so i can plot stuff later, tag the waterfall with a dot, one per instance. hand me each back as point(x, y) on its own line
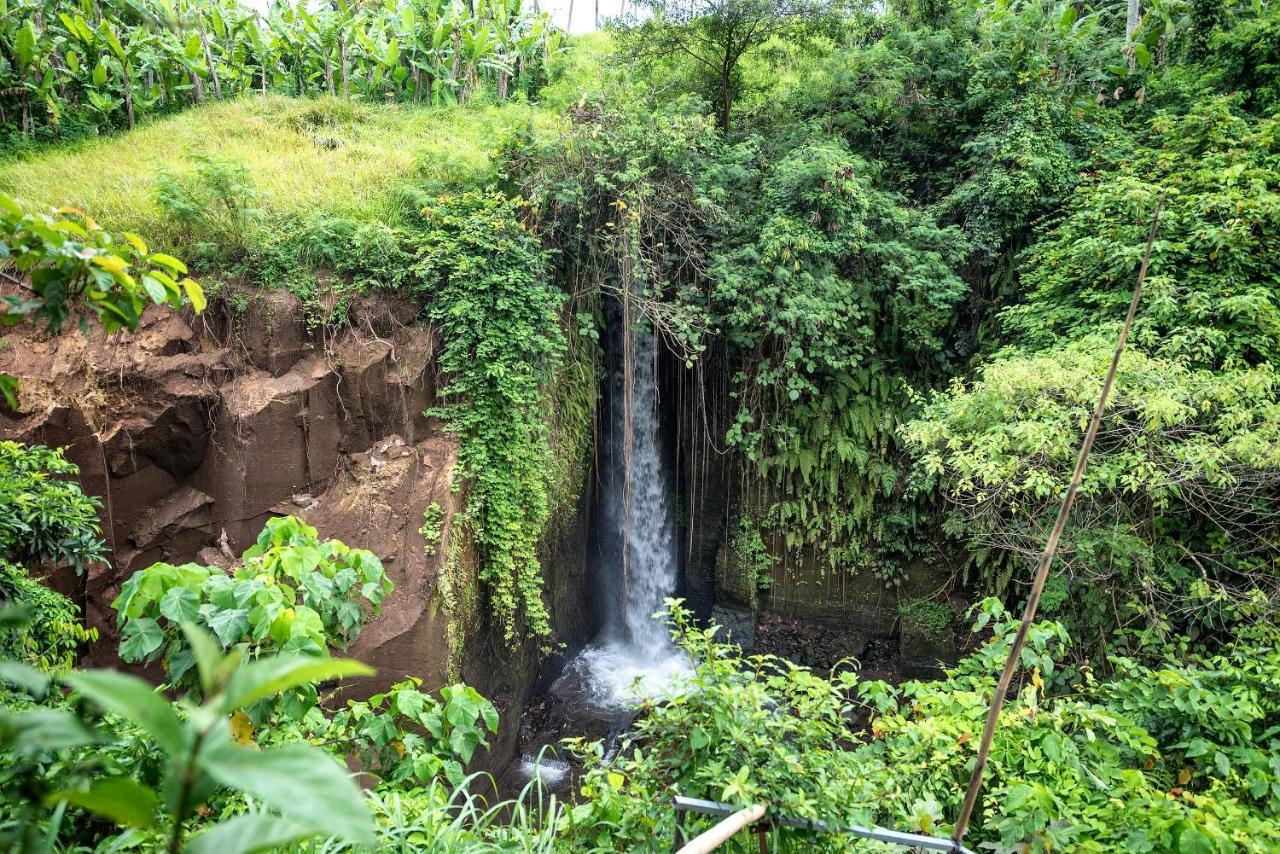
point(636, 490)
point(638, 555)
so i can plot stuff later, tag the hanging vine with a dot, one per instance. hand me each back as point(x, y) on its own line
point(484, 280)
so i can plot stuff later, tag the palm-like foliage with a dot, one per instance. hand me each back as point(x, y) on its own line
point(99, 65)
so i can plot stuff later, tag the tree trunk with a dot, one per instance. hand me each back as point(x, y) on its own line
point(342, 60)
point(1130, 25)
point(208, 59)
point(726, 100)
point(569, 26)
point(128, 94)
point(197, 87)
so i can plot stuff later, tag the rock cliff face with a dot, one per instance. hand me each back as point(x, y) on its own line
point(194, 431)
point(806, 612)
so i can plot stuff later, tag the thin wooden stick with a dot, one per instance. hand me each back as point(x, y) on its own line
point(1050, 548)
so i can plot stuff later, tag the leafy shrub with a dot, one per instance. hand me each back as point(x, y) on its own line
point(1210, 298)
point(53, 743)
point(1071, 768)
point(403, 736)
point(1152, 548)
point(38, 626)
point(45, 517)
point(71, 265)
point(292, 593)
point(212, 207)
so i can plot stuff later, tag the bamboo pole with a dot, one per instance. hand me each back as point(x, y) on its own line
point(712, 839)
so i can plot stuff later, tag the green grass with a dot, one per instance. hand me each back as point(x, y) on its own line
point(304, 156)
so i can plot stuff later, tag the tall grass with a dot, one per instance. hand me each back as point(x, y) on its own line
point(304, 156)
point(454, 819)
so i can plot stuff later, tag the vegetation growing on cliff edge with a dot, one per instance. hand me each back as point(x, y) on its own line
point(483, 280)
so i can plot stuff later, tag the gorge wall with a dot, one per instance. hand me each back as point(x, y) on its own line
point(194, 431)
point(805, 611)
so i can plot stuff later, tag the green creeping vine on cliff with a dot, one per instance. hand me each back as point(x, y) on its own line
point(484, 280)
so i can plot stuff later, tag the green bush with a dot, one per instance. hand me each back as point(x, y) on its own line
point(45, 517)
point(1074, 766)
point(292, 594)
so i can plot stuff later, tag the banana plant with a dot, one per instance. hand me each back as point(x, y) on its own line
point(115, 61)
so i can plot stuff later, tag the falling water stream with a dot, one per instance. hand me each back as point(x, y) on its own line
point(633, 657)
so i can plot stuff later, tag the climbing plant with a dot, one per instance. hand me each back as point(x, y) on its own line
point(483, 279)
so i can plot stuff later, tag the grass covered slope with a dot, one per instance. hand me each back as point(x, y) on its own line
point(300, 157)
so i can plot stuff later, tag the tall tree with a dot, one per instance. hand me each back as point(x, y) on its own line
point(716, 34)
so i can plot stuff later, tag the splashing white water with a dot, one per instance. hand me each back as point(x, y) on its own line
point(545, 768)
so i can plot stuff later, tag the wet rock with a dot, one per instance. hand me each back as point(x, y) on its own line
point(736, 625)
point(814, 645)
point(923, 653)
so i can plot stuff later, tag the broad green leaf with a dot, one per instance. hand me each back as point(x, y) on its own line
point(170, 263)
point(207, 654)
point(229, 624)
point(120, 799)
point(24, 44)
point(131, 698)
point(140, 638)
point(180, 605)
point(114, 43)
point(154, 288)
point(36, 731)
point(267, 677)
point(248, 833)
point(301, 781)
point(25, 677)
point(195, 293)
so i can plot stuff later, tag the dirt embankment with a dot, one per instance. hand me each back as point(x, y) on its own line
point(194, 431)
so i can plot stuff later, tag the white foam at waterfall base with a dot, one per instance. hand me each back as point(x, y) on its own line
point(615, 675)
point(545, 768)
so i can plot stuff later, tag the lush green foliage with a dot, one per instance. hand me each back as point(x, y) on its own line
point(404, 736)
point(292, 594)
point(45, 517)
point(1210, 299)
point(195, 752)
point(46, 523)
point(1152, 547)
point(237, 761)
point(1142, 763)
point(38, 626)
point(892, 280)
point(483, 278)
point(68, 261)
point(82, 67)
